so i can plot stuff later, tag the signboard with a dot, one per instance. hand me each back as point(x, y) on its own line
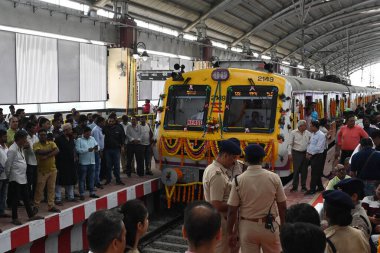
point(154, 76)
point(194, 122)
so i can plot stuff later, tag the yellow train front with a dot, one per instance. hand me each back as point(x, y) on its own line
point(201, 108)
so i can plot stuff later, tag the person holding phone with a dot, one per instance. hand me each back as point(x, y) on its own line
point(86, 147)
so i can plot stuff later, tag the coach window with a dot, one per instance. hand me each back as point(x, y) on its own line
point(185, 107)
point(250, 108)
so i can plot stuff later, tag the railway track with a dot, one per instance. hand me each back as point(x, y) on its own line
point(164, 235)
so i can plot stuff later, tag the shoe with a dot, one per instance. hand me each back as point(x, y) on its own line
point(5, 215)
point(36, 217)
point(309, 192)
point(58, 203)
point(94, 189)
point(20, 204)
point(76, 195)
point(320, 189)
point(35, 210)
point(16, 222)
point(94, 196)
point(81, 197)
point(119, 182)
point(99, 186)
point(72, 200)
point(107, 182)
point(149, 173)
point(54, 210)
point(294, 189)
point(304, 189)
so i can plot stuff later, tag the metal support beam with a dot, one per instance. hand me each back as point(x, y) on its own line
point(369, 21)
point(373, 54)
point(340, 42)
point(217, 7)
point(337, 56)
point(346, 13)
point(285, 11)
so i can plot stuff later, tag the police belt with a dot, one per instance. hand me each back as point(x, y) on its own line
point(263, 220)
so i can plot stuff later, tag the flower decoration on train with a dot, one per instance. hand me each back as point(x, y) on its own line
point(281, 122)
point(247, 130)
point(282, 97)
point(280, 138)
point(212, 125)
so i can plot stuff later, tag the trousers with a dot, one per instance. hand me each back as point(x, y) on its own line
point(299, 167)
point(254, 237)
point(317, 166)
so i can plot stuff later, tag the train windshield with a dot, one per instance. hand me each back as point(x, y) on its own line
point(185, 107)
point(250, 109)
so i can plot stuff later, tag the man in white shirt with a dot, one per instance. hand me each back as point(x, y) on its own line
point(146, 141)
point(30, 157)
point(134, 148)
point(15, 170)
point(298, 140)
point(314, 153)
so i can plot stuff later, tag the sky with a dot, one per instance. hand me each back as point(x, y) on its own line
point(369, 76)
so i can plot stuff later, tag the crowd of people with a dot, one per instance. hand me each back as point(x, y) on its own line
point(40, 157)
point(252, 203)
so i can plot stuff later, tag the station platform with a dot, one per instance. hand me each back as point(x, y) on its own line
point(65, 232)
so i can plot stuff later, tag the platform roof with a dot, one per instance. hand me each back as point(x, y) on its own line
point(343, 34)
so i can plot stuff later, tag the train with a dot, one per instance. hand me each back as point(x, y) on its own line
point(200, 108)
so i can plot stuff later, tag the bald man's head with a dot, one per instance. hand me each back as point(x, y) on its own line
point(202, 223)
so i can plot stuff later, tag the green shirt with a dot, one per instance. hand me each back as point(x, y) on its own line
point(334, 181)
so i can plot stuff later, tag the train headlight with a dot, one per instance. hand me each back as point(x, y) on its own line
point(220, 75)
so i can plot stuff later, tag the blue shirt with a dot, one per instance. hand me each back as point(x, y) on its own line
point(82, 145)
point(372, 170)
point(92, 125)
point(97, 133)
point(317, 143)
point(314, 115)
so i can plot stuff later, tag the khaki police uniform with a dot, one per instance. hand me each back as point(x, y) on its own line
point(217, 187)
point(361, 221)
point(258, 189)
point(346, 239)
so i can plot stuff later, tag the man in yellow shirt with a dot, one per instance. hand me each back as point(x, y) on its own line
point(46, 170)
point(13, 127)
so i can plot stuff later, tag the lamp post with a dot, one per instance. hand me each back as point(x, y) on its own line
point(144, 55)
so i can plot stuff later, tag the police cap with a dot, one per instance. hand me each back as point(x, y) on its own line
point(350, 184)
point(338, 199)
point(254, 150)
point(229, 147)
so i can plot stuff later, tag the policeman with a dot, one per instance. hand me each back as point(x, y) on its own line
point(260, 196)
point(238, 166)
point(355, 188)
point(341, 237)
point(217, 187)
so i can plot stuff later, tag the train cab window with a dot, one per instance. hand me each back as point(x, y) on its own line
point(186, 107)
point(252, 108)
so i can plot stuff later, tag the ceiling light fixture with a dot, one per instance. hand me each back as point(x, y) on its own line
point(144, 55)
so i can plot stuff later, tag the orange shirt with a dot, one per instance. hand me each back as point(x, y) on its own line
point(349, 138)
